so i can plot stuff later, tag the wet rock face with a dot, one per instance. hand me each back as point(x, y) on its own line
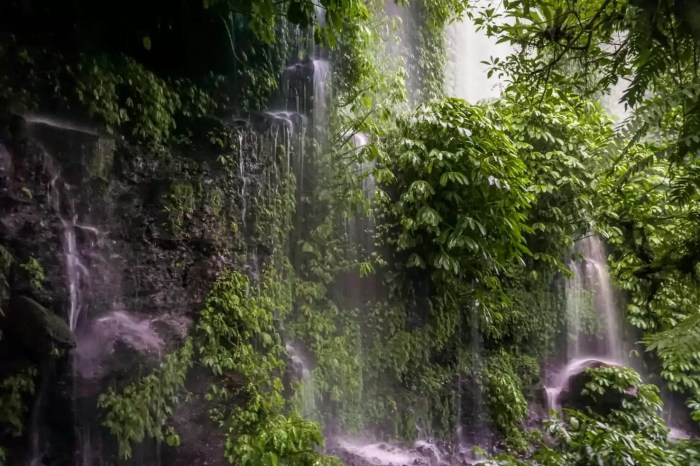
point(202, 444)
point(147, 233)
point(37, 331)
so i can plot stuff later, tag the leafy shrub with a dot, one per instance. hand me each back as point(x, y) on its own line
point(633, 434)
point(459, 194)
point(12, 406)
point(504, 395)
point(236, 335)
point(142, 409)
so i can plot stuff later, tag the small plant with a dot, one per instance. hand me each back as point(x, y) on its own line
point(141, 409)
point(179, 204)
point(35, 271)
point(13, 408)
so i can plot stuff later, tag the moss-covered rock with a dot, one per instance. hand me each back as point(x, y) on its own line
point(576, 395)
point(37, 330)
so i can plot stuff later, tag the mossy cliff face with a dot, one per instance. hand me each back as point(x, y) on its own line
point(131, 240)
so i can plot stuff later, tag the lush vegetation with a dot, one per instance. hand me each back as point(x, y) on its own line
point(632, 433)
point(422, 271)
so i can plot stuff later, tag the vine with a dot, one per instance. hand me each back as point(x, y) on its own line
point(142, 409)
point(237, 336)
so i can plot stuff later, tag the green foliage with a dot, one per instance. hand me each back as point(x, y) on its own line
point(679, 351)
point(236, 335)
point(35, 272)
point(115, 90)
point(633, 434)
point(504, 396)
point(652, 231)
point(121, 93)
point(255, 61)
point(127, 97)
point(13, 409)
point(179, 204)
point(142, 409)
point(565, 141)
point(264, 15)
point(646, 187)
point(461, 195)
point(282, 441)
point(501, 287)
point(427, 60)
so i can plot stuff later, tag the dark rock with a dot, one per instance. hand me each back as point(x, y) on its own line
point(201, 443)
point(118, 199)
point(5, 160)
point(573, 397)
point(14, 224)
point(37, 330)
point(75, 174)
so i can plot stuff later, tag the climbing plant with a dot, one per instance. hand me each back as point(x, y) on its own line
point(239, 343)
point(142, 409)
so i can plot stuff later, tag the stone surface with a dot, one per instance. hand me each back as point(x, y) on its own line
point(572, 396)
point(37, 331)
point(153, 231)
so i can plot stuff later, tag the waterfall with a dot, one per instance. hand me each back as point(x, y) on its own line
point(467, 48)
point(590, 302)
point(35, 429)
point(594, 332)
point(403, 43)
point(306, 391)
point(365, 167)
point(76, 272)
point(93, 269)
point(243, 179)
point(598, 278)
point(321, 77)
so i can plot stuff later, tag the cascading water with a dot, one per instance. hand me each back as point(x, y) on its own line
point(321, 77)
point(306, 391)
point(593, 322)
point(76, 272)
point(243, 180)
point(365, 167)
point(468, 48)
point(93, 272)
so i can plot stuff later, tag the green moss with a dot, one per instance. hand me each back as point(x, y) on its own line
point(40, 331)
point(27, 193)
point(35, 272)
point(215, 202)
point(179, 203)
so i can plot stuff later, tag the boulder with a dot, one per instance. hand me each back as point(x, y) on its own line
point(573, 397)
point(37, 330)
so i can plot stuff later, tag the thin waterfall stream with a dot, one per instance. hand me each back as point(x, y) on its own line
point(594, 331)
point(93, 268)
point(275, 231)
